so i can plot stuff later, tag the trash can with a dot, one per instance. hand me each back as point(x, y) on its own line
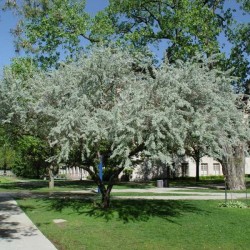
point(159, 183)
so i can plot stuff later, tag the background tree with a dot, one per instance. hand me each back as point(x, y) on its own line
point(49, 29)
point(7, 153)
point(28, 133)
point(184, 27)
point(211, 125)
point(32, 155)
point(238, 35)
point(52, 30)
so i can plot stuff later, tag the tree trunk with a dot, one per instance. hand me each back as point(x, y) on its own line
point(51, 178)
point(106, 191)
point(197, 164)
point(233, 167)
point(106, 198)
point(196, 156)
point(38, 171)
point(4, 168)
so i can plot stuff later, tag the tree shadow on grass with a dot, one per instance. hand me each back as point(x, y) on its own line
point(143, 210)
point(128, 210)
point(30, 185)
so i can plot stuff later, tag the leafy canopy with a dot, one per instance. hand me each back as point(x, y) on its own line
point(58, 30)
point(114, 102)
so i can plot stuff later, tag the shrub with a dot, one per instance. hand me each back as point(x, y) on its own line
point(233, 204)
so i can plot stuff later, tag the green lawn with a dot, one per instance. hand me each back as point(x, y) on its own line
point(140, 224)
point(10, 184)
point(130, 224)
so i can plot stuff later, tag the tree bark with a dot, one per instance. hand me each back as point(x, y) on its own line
point(51, 178)
point(4, 167)
point(233, 167)
point(106, 191)
point(197, 164)
point(106, 197)
point(196, 156)
point(38, 170)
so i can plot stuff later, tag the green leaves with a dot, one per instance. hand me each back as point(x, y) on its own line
point(52, 29)
point(186, 26)
point(60, 29)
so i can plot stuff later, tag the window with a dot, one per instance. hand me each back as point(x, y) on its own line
point(204, 169)
point(216, 168)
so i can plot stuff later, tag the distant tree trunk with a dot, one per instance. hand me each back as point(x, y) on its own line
point(4, 167)
point(233, 167)
point(196, 156)
point(51, 178)
point(38, 170)
point(197, 164)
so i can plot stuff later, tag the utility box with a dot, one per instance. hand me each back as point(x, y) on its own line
point(159, 183)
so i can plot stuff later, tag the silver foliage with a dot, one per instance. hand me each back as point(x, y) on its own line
point(110, 96)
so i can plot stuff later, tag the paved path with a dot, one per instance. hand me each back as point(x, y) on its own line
point(174, 194)
point(17, 232)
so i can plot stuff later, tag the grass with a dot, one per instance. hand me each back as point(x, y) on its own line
point(11, 184)
point(130, 224)
point(7, 179)
point(140, 224)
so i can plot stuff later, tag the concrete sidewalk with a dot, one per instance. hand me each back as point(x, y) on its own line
point(17, 232)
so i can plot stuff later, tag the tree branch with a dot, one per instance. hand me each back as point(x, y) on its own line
point(92, 40)
point(138, 149)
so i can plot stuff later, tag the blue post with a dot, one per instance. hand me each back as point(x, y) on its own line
point(100, 166)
